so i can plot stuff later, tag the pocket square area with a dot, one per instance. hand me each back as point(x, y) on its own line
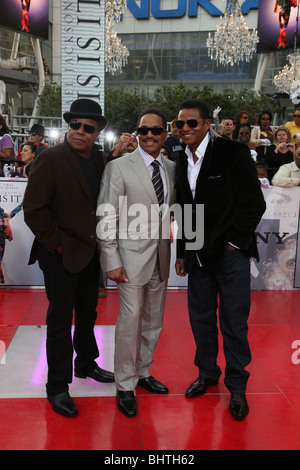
point(214, 177)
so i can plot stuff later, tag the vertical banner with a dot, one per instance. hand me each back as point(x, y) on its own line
point(82, 51)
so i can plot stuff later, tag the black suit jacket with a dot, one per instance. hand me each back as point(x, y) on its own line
point(228, 187)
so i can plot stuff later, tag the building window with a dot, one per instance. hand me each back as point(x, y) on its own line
point(157, 57)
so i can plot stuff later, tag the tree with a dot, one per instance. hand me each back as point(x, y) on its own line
point(123, 106)
point(49, 101)
point(168, 98)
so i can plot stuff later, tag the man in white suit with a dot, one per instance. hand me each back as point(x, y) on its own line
point(134, 238)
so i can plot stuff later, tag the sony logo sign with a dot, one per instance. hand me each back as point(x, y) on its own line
point(189, 7)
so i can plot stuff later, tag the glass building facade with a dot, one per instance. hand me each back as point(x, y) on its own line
point(177, 56)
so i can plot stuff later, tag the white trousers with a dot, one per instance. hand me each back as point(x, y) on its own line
point(140, 321)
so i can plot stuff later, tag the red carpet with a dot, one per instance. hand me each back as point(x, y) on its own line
point(170, 422)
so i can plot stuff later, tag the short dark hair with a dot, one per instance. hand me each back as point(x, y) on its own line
point(198, 104)
point(244, 125)
point(153, 111)
point(228, 118)
point(30, 144)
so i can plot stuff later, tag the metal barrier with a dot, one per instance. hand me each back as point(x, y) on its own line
point(19, 126)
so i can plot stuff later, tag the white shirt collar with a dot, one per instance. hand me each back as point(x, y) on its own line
point(148, 159)
point(200, 152)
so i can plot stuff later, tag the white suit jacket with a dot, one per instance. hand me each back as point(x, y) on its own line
point(131, 229)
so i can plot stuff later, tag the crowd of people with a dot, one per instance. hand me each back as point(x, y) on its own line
point(26, 153)
point(72, 206)
point(270, 146)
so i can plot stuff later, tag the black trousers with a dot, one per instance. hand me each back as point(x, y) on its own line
point(68, 293)
point(228, 283)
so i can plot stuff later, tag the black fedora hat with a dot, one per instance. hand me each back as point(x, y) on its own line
point(88, 109)
point(37, 129)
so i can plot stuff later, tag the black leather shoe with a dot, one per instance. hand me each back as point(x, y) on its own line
point(198, 388)
point(126, 403)
point(63, 404)
point(98, 374)
point(153, 385)
point(238, 406)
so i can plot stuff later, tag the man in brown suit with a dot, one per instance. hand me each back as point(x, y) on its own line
point(60, 209)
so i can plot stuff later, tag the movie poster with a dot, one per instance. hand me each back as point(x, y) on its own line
point(277, 22)
point(27, 16)
point(277, 237)
point(15, 238)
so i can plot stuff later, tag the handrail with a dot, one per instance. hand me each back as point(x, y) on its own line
point(19, 125)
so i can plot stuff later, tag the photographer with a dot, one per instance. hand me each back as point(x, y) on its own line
point(127, 143)
point(280, 152)
point(227, 128)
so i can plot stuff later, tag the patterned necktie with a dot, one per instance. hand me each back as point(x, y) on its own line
point(157, 183)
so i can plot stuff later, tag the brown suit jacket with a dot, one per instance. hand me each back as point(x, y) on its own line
point(58, 206)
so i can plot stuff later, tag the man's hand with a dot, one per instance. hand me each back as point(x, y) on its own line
point(179, 267)
point(117, 275)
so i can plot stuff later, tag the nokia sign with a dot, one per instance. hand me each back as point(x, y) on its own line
point(189, 7)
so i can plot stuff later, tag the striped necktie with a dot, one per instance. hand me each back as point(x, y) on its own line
point(157, 183)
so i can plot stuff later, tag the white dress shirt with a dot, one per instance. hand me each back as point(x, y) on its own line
point(148, 159)
point(194, 168)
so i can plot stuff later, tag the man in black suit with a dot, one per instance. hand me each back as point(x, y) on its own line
point(220, 174)
point(59, 205)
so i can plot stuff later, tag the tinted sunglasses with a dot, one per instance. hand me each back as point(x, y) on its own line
point(154, 130)
point(192, 123)
point(86, 127)
point(296, 115)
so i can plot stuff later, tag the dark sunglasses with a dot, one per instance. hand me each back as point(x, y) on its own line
point(192, 123)
point(87, 128)
point(296, 115)
point(154, 130)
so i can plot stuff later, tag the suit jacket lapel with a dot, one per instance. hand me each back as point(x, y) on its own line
point(203, 170)
point(183, 178)
point(168, 175)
